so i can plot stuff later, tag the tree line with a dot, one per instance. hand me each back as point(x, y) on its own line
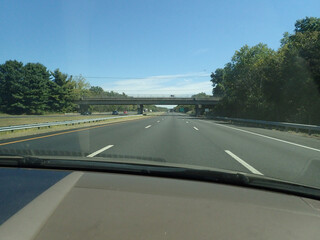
point(33, 89)
point(281, 85)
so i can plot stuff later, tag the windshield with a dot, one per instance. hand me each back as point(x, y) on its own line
point(227, 85)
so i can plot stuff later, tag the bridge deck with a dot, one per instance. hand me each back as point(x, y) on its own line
point(148, 101)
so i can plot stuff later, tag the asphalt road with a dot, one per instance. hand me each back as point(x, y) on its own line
point(177, 138)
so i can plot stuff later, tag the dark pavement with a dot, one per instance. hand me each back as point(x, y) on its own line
point(177, 138)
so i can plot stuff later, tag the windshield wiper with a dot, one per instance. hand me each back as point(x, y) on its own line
point(166, 170)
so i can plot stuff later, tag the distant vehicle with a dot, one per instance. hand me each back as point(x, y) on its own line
point(171, 95)
point(125, 112)
point(86, 113)
point(115, 113)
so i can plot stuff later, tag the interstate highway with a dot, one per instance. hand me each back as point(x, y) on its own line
point(178, 138)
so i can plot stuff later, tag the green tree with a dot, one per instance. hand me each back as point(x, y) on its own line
point(217, 82)
point(281, 85)
point(96, 90)
point(301, 71)
point(12, 87)
point(306, 41)
point(201, 95)
point(242, 82)
point(308, 24)
point(81, 87)
point(61, 92)
point(36, 88)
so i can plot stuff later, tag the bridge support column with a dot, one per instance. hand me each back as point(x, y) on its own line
point(84, 108)
point(197, 110)
point(140, 109)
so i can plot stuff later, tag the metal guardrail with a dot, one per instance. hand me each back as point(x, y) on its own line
point(49, 124)
point(285, 125)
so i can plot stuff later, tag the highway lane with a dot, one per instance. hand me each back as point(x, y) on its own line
point(276, 154)
point(178, 138)
point(164, 138)
point(171, 139)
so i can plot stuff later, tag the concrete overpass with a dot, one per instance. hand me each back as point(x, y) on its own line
point(198, 102)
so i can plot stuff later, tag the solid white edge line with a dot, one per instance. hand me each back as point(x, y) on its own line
point(148, 126)
point(26, 223)
point(100, 151)
point(243, 163)
point(196, 128)
point(260, 135)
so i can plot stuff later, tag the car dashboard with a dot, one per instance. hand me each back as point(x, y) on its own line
point(93, 205)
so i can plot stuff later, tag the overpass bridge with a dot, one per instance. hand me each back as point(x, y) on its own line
point(84, 103)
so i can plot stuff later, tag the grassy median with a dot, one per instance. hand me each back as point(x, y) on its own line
point(34, 131)
point(11, 120)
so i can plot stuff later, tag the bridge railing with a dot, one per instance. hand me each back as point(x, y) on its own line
point(126, 98)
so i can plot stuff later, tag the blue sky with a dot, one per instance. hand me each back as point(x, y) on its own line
point(158, 47)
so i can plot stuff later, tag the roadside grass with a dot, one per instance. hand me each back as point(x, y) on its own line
point(31, 116)
point(154, 113)
point(35, 131)
point(4, 115)
point(313, 135)
point(30, 119)
point(300, 133)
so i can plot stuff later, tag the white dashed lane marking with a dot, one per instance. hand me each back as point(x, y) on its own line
point(100, 151)
point(243, 163)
